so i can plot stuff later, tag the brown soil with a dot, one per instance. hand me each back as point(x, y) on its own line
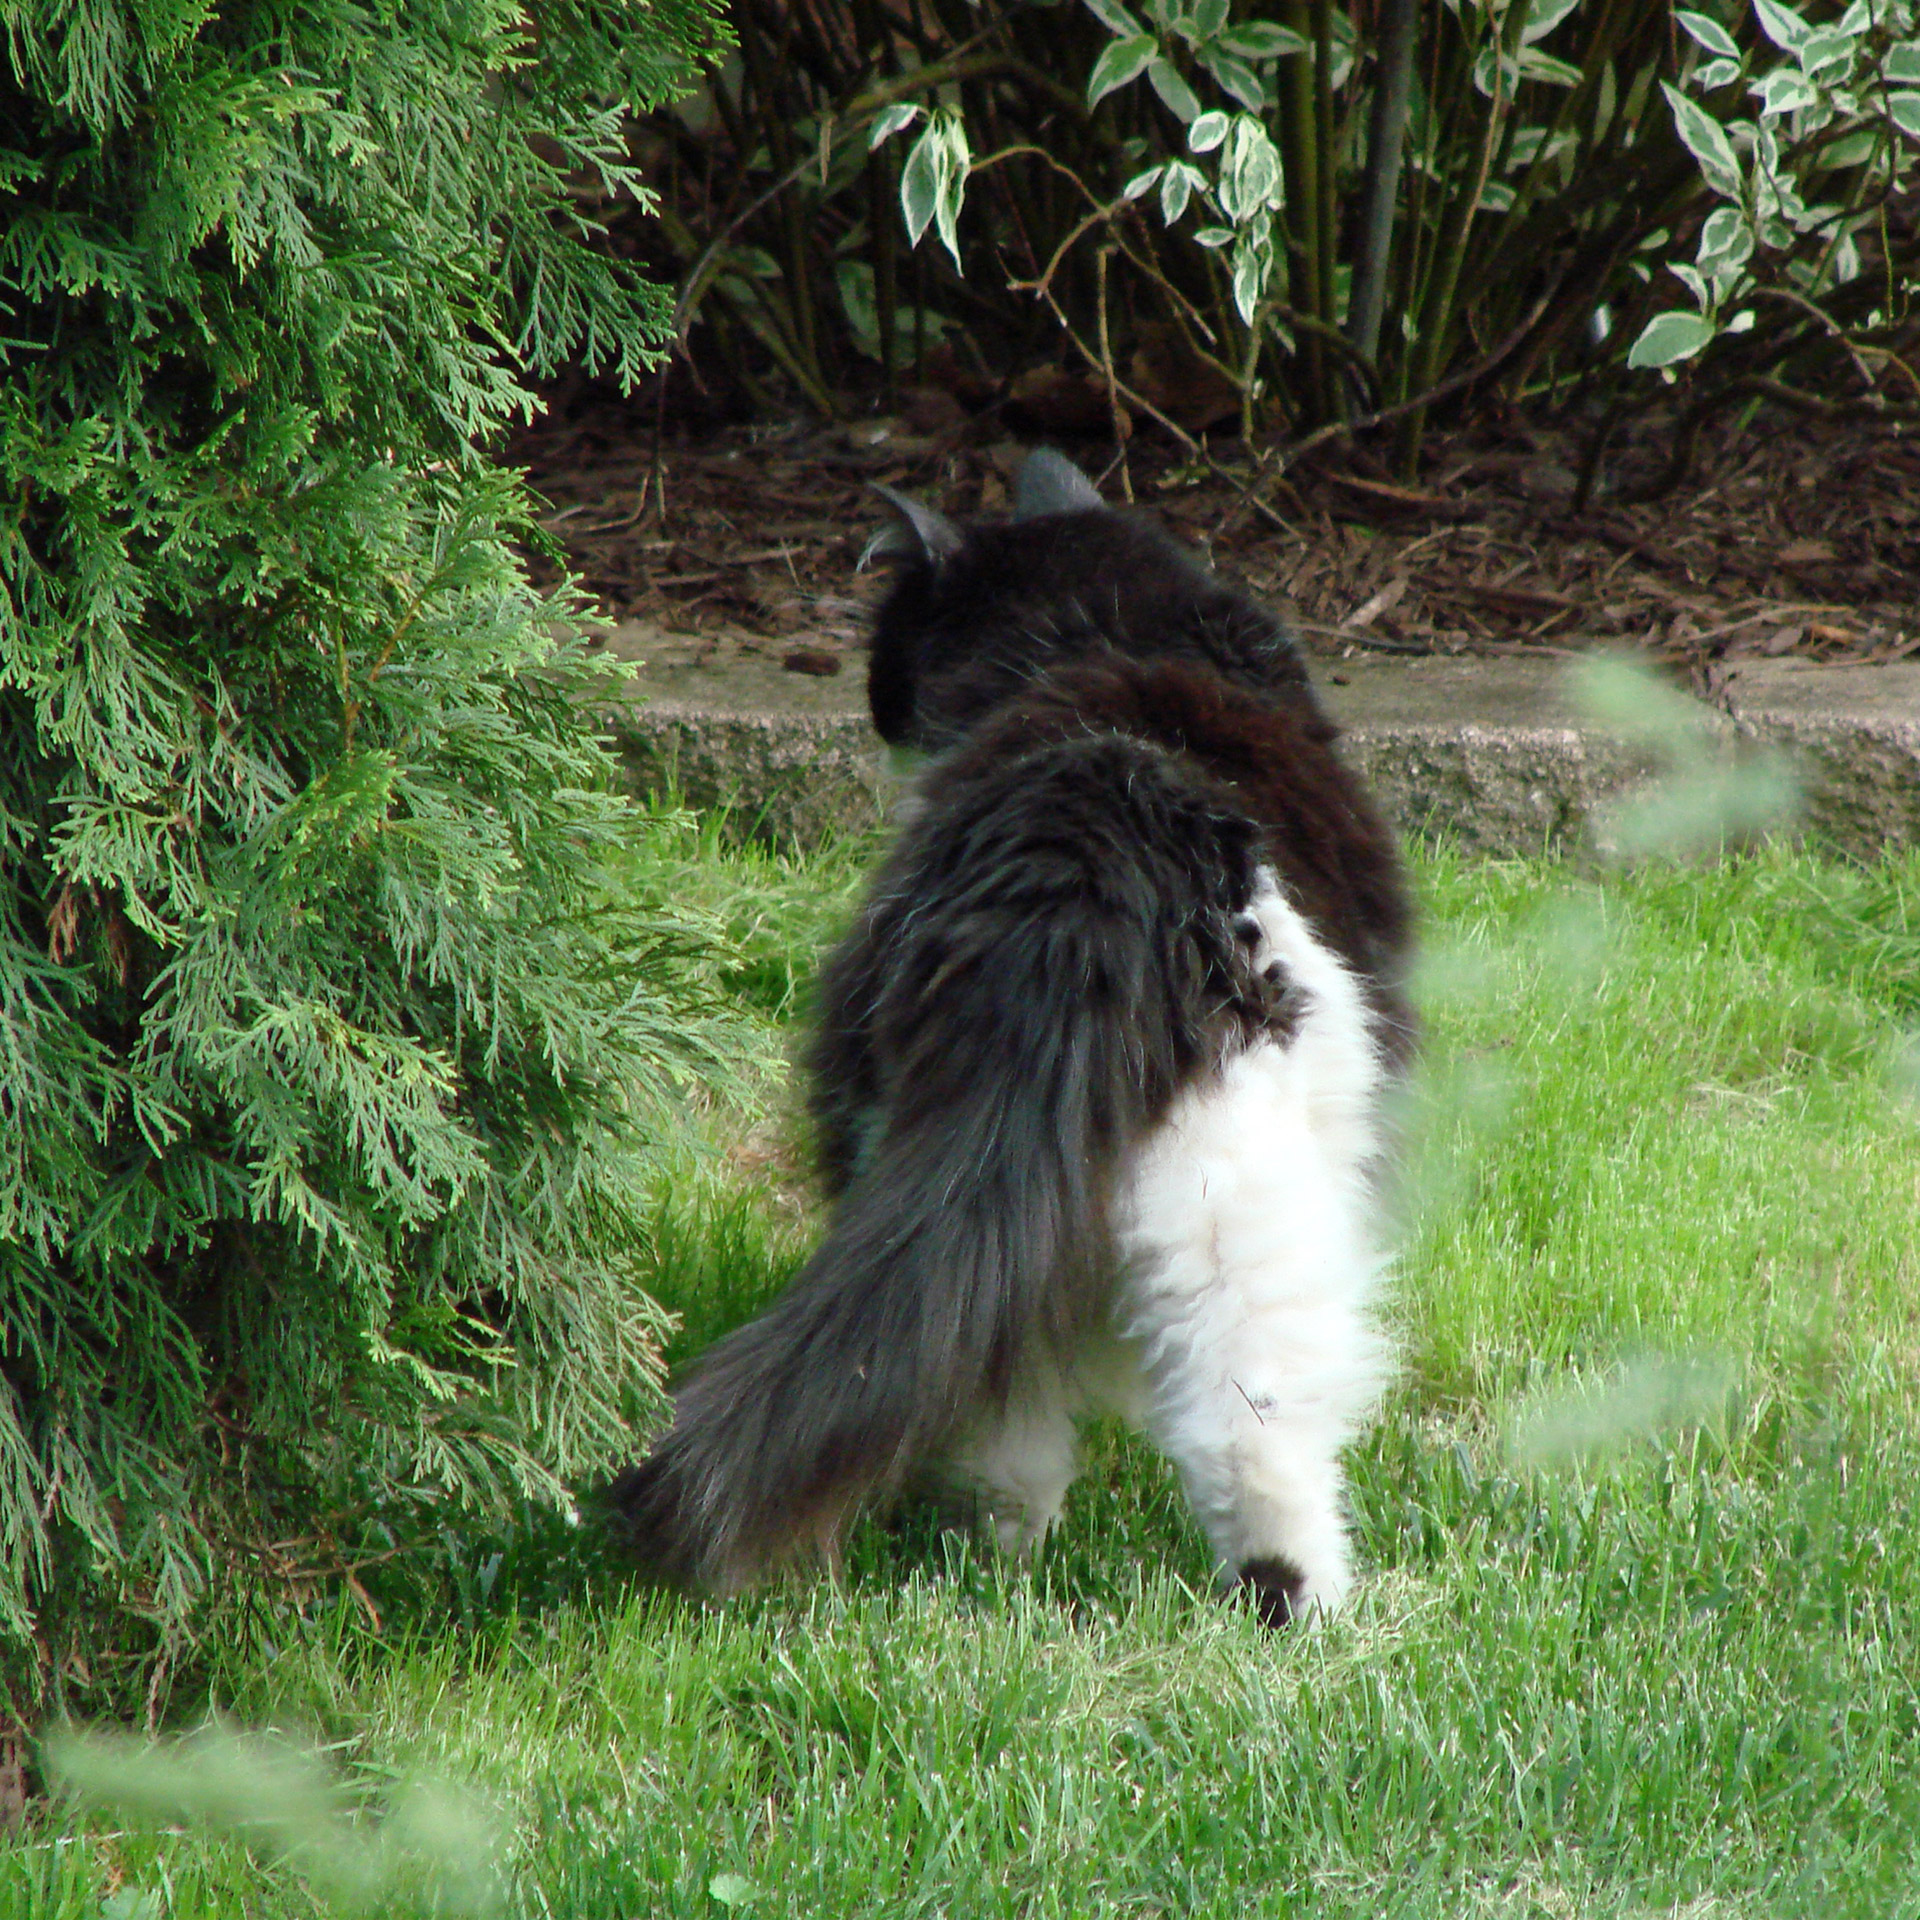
point(1788, 535)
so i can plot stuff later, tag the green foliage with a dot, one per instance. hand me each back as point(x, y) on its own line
point(1838, 105)
point(1315, 215)
point(1503, 132)
point(330, 1048)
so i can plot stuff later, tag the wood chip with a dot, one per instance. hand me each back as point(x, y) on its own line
point(1388, 597)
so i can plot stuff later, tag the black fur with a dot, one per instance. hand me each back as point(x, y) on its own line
point(1024, 596)
point(1275, 1587)
point(1055, 946)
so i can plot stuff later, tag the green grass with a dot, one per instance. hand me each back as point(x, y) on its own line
point(1637, 1636)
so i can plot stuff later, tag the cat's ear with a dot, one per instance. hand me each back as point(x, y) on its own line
point(918, 534)
point(1050, 483)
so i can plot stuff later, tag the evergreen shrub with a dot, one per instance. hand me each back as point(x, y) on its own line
point(330, 1046)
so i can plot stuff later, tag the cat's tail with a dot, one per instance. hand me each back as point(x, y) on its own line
point(944, 1257)
point(1024, 1019)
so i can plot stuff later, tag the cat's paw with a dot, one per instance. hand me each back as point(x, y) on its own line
point(1276, 1587)
point(1282, 1593)
point(1276, 989)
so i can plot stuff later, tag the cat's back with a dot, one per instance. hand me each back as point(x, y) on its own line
point(1071, 662)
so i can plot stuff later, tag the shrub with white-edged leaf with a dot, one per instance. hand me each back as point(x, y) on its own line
point(1344, 209)
point(1245, 190)
point(1204, 38)
point(933, 184)
point(1804, 156)
point(1241, 191)
point(1246, 186)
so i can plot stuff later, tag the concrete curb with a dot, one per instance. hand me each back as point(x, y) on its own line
point(795, 758)
point(1853, 736)
point(1498, 755)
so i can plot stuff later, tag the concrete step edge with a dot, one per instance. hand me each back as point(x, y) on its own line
point(1494, 755)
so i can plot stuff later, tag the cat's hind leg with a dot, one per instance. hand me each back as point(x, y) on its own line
point(1248, 1265)
point(1015, 1460)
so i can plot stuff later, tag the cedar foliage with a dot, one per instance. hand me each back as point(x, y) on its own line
point(329, 1045)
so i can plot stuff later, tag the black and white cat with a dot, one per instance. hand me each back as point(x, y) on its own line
point(1098, 1076)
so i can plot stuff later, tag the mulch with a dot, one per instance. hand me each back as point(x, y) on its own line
point(1789, 535)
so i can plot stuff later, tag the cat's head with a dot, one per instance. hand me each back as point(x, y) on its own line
point(977, 612)
point(1048, 483)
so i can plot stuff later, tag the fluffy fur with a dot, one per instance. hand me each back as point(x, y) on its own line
point(1097, 1075)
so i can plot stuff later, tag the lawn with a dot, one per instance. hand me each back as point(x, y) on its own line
point(1637, 1630)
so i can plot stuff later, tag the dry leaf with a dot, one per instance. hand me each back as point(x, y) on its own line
point(814, 660)
point(1187, 389)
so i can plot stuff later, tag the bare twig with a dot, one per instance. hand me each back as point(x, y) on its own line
point(1194, 447)
point(1121, 432)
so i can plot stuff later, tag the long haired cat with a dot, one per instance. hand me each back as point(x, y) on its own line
point(1097, 1074)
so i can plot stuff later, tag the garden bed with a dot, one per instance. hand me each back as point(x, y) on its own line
point(1789, 535)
